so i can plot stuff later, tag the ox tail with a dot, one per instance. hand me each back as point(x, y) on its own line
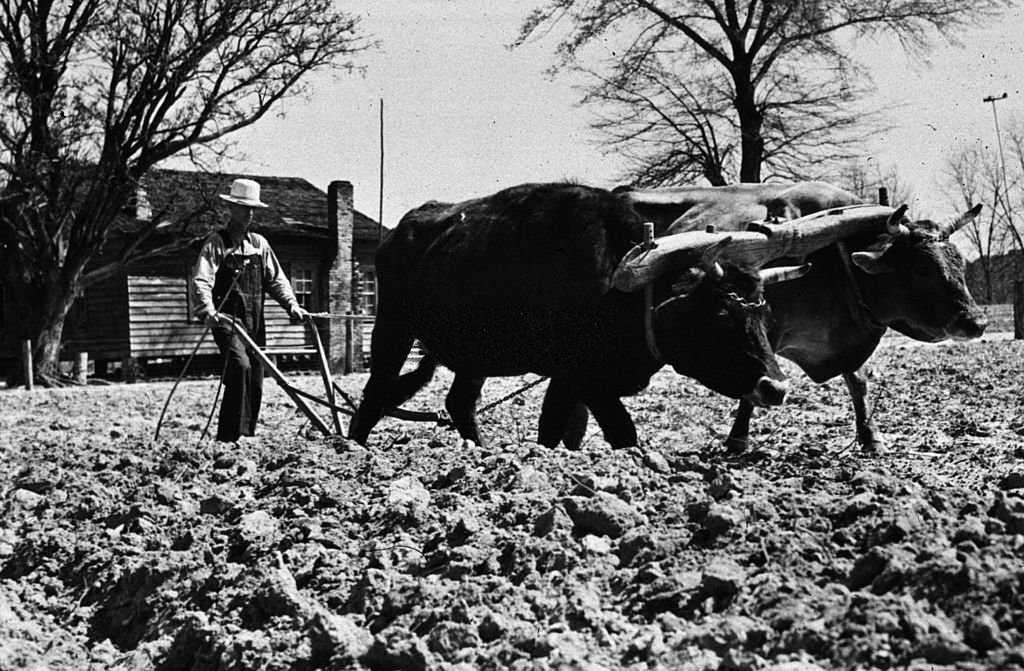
point(414, 380)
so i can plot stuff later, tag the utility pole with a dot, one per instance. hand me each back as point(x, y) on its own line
point(380, 192)
point(1002, 163)
point(1018, 285)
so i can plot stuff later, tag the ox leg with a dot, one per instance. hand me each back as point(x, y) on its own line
point(383, 391)
point(576, 428)
point(461, 406)
point(868, 435)
point(739, 435)
point(563, 417)
point(613, 418)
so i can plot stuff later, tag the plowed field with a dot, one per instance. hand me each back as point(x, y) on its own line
point(296, 551)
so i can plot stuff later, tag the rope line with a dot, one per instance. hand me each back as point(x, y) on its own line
point(510, 396)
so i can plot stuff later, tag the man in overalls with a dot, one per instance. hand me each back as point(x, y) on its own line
point(235, 268)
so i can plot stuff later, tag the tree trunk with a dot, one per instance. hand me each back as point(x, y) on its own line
point(41, 310)
point(47, 342)
point(986, 270)
point(713, 173)
point(750, 122)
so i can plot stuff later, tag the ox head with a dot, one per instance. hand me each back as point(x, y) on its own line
point(913, 280)
point(708, 311)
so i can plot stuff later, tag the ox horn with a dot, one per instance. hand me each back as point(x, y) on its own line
point(646, 262)
point(956, 223)
point(895, 222)
point(784, 273)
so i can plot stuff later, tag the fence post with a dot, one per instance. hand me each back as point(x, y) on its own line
point(1018, 309)
point(26, 362)
point(82, 367)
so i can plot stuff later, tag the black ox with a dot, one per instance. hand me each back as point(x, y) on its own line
point(547, 278)
point(829, 322)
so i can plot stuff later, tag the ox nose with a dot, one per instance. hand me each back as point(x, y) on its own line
point(768, 392)
point(968, 325)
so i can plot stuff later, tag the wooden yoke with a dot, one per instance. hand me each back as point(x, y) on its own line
point(764, 242)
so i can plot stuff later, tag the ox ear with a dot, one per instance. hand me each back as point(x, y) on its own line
point(871, 262)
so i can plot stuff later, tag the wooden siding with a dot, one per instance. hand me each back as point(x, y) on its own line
point(160, 324)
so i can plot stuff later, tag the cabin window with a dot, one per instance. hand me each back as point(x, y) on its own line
point(366, 290)
point(302, 285)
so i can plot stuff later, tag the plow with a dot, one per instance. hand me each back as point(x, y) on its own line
point(332, 391)
point(301, 398)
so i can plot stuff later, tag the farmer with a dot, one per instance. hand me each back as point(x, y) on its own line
point(235, 268)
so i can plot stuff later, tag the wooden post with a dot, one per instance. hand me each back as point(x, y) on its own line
point(82, 367)
point(348, 344)
point(26, 362)
point(128, 368)
point(1018, 310)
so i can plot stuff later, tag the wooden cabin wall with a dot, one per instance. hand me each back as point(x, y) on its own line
point(161, 322)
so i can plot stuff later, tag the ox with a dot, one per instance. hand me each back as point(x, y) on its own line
point(908, 278)
point(547, 278)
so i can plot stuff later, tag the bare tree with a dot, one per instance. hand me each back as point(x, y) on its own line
point(976, 176)
point(867, 180)
point(96, 92)
point(722, 89)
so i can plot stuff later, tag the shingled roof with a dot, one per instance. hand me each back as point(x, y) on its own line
point(295, 206)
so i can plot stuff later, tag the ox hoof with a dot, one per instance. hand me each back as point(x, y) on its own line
point(573, 443)
point(468, 444)
point(874, 446)
point(736, 446)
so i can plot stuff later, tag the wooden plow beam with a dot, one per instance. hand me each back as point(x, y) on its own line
point(292, 392)
point(331, 388)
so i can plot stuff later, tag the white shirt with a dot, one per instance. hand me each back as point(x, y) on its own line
point(212, 255)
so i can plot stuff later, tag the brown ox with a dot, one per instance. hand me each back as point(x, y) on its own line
point(829, 322)
point(546, 278)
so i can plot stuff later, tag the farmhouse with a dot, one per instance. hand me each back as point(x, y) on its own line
point(144, 312)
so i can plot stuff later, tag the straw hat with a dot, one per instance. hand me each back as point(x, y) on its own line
point(244, 192)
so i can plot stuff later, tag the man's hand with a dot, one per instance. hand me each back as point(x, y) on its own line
point(298, 314)
point(214, 319)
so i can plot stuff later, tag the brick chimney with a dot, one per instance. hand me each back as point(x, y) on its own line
point(341, 221)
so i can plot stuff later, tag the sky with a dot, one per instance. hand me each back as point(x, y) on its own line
point(465, 116)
